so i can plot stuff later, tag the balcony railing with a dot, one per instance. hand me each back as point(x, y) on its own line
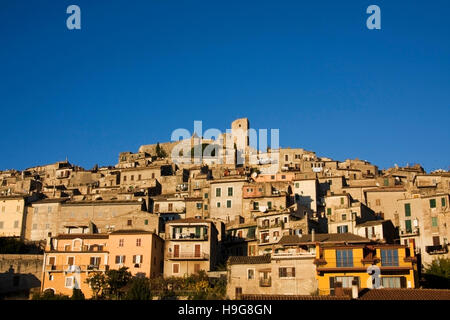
point(76, 268)
point(188, 256)
point(412, 232)
point(190, 236)
point(265, 282)
point(439, 249)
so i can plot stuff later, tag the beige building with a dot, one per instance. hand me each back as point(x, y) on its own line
point(43, 219)
point(291, 272)
point(13, 215)
point(425, 220)
point(226, 199)
point(94, 216)
point(190, 246)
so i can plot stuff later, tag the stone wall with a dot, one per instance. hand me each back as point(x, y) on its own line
point(19, 273)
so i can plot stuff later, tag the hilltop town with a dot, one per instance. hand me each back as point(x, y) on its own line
point(299, 226)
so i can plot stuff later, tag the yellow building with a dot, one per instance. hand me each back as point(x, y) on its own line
point(394, 264)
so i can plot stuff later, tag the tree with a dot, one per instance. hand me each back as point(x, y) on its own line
point(49, 294)
point(116, 280)
point(160, 152)
point(77, 294)
point(97, 282)
point(437, 274)
point(140, 289)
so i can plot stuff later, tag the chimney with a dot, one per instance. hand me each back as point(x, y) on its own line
point(338, 290)
point(355, 289)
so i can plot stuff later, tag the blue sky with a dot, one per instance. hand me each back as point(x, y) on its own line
point(139, 69)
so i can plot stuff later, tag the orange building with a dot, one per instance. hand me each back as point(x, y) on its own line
point(141, 251)
point(70, 259)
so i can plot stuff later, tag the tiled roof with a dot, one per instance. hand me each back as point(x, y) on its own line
point(290, 297)
point(189, 220)
point(131, 231)
point(82, 236)
point(406, 294)
point(248, 259)
point(322, 237)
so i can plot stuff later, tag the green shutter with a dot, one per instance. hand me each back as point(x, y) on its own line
point(407, 210)
point(443, 202)
point(434, 222)
point(432, 203)
point(408, 226)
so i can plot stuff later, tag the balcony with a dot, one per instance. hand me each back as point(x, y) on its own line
point(187, 236)
point(439, 249)
point(409, 233)
point(265, 282)
point(187, 256)
point(76, 268)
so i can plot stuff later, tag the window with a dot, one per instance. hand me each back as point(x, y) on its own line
point(346, 281)
point(286, 272)
point(389, 257)
point(250, 274)
point(255, 205)
point(286, 157)
point(157, 207)
point(342, 200)
point(132, 178)
point(206, 207)
point(95, 261)
point(51, 261)
point(228, 203)
point(68, 282)
point(391, 282)
point(138, 242)
point(218, 192)
point(344, 217)
point(199, 205)
point(139, 177)
point(297, 185)
point(329, 211)
point(153, 175)
point(434, 221)
point(129, 222)
point(218, 204)
point(283, 177)
point(70, 261)
point(175, 268)
point(407, 209)
point(146, 222)
point(67, 247)
point(137, 259)
point(121, 242)
point(272, 177)
point(206, 195)
point(386, 182)
point(269, 205)
point(342, 229)
point(408, 227)
point(377, 202)
point(230, 191)
point(432, 203)
point(443, 202)
point(120, 259)
point(170, 206)
point(124, 178)
point(344, 258)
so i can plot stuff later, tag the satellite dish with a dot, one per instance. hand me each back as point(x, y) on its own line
point(254, 175)
point(262, 208)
